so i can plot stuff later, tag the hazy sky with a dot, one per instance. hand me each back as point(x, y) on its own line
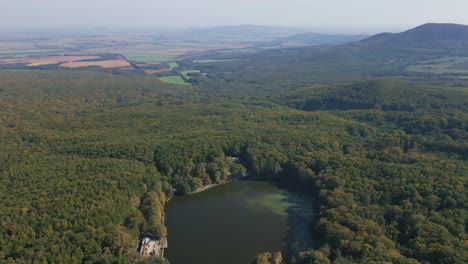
point(334, 15)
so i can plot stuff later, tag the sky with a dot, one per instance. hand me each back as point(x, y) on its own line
point(365, 16)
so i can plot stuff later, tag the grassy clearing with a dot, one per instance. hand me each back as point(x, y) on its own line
point(213, 60)
point(447, 65)
point(173, 79)
point(148, 57)
point(173, 65)
point(184, 73)
point(151, 47)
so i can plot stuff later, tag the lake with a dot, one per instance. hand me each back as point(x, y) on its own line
point(230, 223)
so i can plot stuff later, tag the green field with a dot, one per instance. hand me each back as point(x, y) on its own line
point(27, 51)
point(215, 60)
point(173, 65)
point(184, 73)
point(173, 79)
point(458, 65)
point(17, 70)
point(147, 57)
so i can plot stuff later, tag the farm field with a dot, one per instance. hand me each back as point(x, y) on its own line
point(69, 61)
point(56, 60)
point(149, 57)
point(27, 51)
point(150, 51)
point(103, 64)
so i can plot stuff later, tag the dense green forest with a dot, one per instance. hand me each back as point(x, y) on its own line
point(89, 158)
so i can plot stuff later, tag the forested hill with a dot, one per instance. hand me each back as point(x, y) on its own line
point(412, 107)
point(88, 160)
point(386, 95)
point(384, 54)
point(425, 40)
point(427, 35)
point(311, 38)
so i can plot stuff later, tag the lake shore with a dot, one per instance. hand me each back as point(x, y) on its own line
point(231, 178)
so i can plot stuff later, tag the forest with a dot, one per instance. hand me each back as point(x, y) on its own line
point(89, 158)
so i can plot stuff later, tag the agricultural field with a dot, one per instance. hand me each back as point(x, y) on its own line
point(149, 53)
point(27, 51)
point(149, 57)
point(68, 61)
point(56, 60)
point(104, 64)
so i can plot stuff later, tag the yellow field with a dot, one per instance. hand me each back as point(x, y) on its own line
point(69, 61)
point(103, 64)
point(58, 59)
point(47, 60)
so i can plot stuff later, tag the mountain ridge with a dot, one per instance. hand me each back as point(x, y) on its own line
point(429, 35)
point(313, 38)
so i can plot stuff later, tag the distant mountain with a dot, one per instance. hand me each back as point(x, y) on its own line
point(381, 55)
point(435, 32)
point(378, 37)
point(311, 38)
point(438, 37)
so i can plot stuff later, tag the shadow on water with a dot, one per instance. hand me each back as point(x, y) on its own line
point(300, 217)
point(237, 221)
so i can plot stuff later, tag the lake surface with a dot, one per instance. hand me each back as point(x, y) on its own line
point(228, 224)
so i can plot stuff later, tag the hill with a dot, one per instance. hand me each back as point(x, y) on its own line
point(311, 38)
point(382, 95)
point(435, 49)
point(88, 159)
point(440, 39)
point(425, 34)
